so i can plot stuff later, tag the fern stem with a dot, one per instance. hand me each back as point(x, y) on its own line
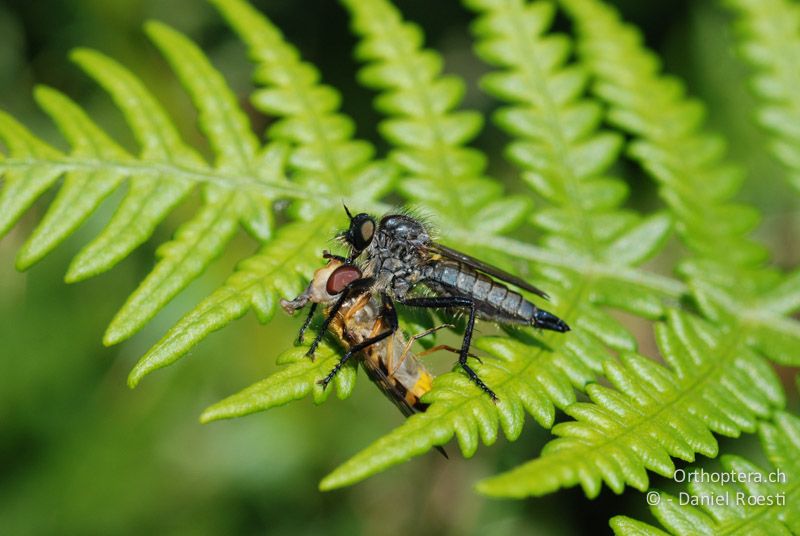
point(669, 287)
point(226, 180)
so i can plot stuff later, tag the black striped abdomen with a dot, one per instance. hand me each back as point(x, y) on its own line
point(493, 300)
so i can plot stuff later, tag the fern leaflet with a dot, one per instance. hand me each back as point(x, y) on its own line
point(322, 157)
point(740, 513)
point(653, 412)
point(770, 31)
point(163, 174)
point(580, 458)
point(695, 181)
point(455, 408)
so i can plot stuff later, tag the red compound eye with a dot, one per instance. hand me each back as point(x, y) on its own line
point(341, 277)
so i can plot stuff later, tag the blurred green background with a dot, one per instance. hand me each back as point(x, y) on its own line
point(80, 453)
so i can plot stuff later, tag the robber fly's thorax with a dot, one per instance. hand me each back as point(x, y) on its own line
point(397, 255)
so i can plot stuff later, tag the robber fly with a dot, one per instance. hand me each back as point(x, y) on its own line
point(398, 255)
point(389, 362)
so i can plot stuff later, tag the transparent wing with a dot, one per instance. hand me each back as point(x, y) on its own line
point(488, 269)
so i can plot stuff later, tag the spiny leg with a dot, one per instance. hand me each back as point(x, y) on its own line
point(327, 322)
point(359, 285)
point(306, 323)
point(353, 350)
point(447, 348)
point(445, 302)
point(415, 338)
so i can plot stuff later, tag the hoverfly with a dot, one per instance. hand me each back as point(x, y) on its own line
point(399, 255)
point(356, 322)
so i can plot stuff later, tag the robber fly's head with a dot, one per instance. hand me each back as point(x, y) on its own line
point(359, 235)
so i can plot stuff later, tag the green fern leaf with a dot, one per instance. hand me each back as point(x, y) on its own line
point(464, 412)
point(764, 322)
point(694, 179)
point(562, 154)
point(326, 159)
point(24, 182)
point(151, 196)
point(524, 380)
point(714, 384)
point(768, 29)
point(322, 157)
point(258, 283)
point(160, 177)
point(203, 238)
point(737, 515)
point(427, 131)
point(82, 191)
point(298, 378)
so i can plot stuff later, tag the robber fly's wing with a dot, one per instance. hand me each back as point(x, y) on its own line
point(488, 269)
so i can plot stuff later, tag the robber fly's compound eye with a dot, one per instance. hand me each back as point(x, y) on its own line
point(341, 277)
point(362, 229)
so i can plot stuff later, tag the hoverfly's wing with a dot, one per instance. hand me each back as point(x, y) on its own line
point(394, 393)
point(389, 388)
point(488, 269)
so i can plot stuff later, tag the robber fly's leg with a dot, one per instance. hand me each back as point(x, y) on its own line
point(389, 314)
point(456, 302)
point(306, 322)
point(447, 348)
point(327, 322)
point(415, 338)
point(359, 285)
point(353, 350)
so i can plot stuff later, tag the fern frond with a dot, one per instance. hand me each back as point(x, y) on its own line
point(325, 158)
point(200, 240)
point(425, 128)
point(159, 178)
point(420, 103)
point(670, 142)
point(526, 380)
point(740, 512)
point(563, 155)
point(456, 409)
point(695, 179)
point(713, 384)
point(595, 451)
point(322, 158)
point(770, 34)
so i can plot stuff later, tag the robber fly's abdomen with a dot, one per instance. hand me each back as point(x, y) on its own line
point(493, 300)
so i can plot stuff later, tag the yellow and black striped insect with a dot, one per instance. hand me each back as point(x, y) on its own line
point(361, 323)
